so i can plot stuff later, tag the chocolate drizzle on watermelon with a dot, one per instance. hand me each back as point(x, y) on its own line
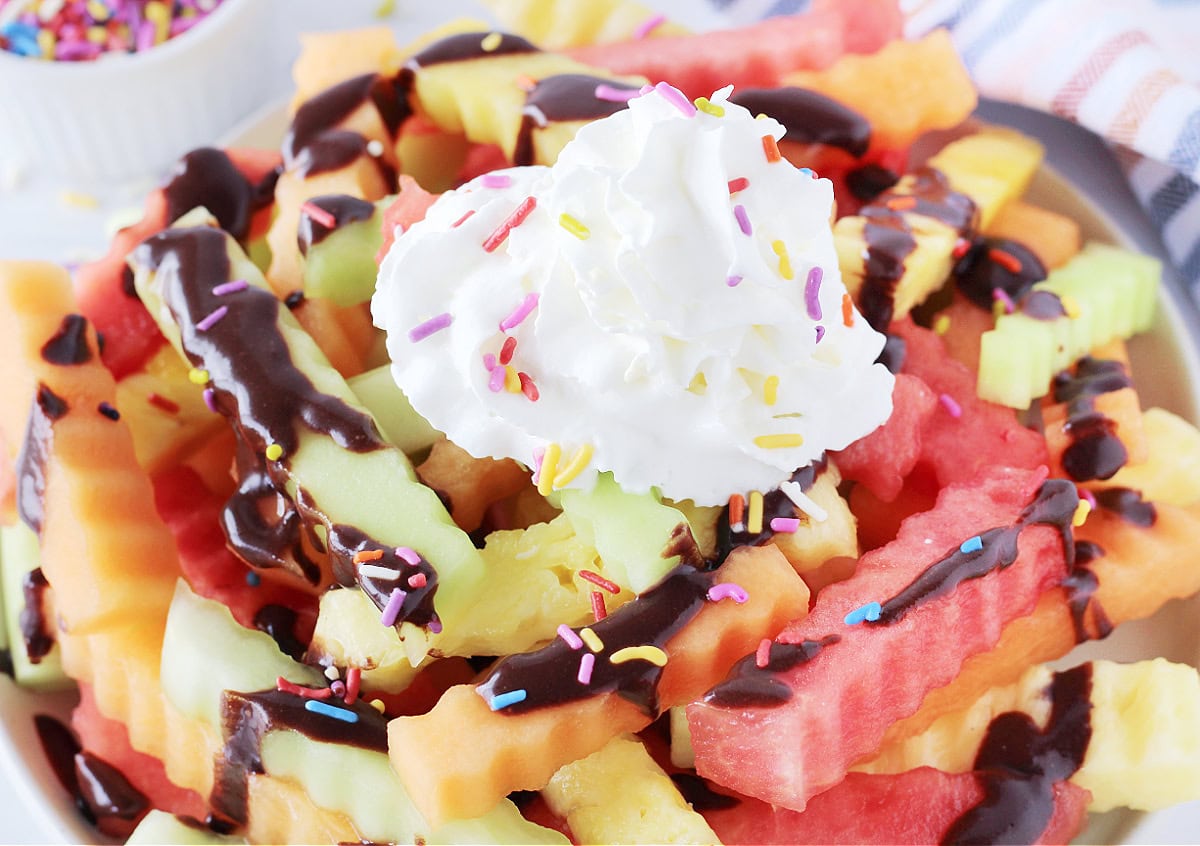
point(47, 407)
point(750, 685)
point(1019, 764)
point(208, 178)
point(346, 541)
point(343, 208)
point(35, 628)
point(247, 718)
point(775, 504)
point(1094, 451)
point(561, 98)
point(69, 344)
point(1128, 504)
point(809, 117)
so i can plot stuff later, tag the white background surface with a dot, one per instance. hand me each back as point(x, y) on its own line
point(36, 222)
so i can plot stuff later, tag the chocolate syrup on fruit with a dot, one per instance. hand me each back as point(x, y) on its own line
point(69, 344)
point(1019, 764)
point(1080, 586)
point(561, 98)
point(417, 606)
point(247, 718)
point(279, 622)
point(775, 504)
point(35, 629)
point(870, 180)
point(343, 208)
point(208, 178)
point(1128, 504)
point(31, 462)
point(809, 117)
point(470, 45)
point(749, 685)
point(698, 793)
point(997, 264)
point(1094, 451)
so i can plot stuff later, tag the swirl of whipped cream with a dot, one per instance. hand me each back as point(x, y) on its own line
point(663, 303)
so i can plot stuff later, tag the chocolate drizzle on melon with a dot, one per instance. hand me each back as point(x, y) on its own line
point(1080, 585)
point(343, 208)
point(35, 627)
point(997, 264)
point(35, 450)
point(1094, 451)
point(465, 46)
point(559, 99)
point(69, 345)
point(1129, 505)
point(346, 541)
point(775, 504)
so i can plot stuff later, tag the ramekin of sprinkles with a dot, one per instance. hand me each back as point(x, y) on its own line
point(96, 91)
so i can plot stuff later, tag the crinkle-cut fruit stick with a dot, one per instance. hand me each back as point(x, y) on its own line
point(1105, 293)
point(1138, 569)
point(946, 587)
point(461, 757)
point(881, 460)
point(283, 813)
point(619, 794)
point(918, 806)
point(1171, 472)
point(562, 24)
point(993, 166)
point(755, 56)
point(176, 273)
point(470, 484)
point(904, 89)
point(344, 333)
point(879, 521)
point(1143, 749)
point(965, 434)
point(1054, 238)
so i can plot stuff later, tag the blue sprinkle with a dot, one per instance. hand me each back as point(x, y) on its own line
point(253, 579)
point(869, 612)
point(971, 545)
point(807, 171)
point(319, 707)
point(503, 700)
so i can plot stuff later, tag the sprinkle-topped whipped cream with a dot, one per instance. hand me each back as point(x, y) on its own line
point(663, 303)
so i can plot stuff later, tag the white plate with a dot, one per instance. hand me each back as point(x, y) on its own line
point(1166, 365)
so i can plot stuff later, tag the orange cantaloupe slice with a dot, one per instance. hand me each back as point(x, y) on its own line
point(327, 58)
point(470, 484)
point(281, 812)
point(1054, 238)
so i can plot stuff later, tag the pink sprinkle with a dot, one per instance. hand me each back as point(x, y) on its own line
point(1000, 295)
point(539, 453)
point(338, 688)
point(762, 655)
point(509, 224)
point(568, 634)
point(675, 97)
point(408, 555)
point(1087, 495)
point(230, 287)
point(417, 580)
point(820, 334)
point(785, 525)
point(520, 312)
point(462, 219)
point(496, 382)
point(433, 324)
point(392, 610)
point(646, 89)
point(615, 95)
point(213, 319)
point(587, 661)
point(812, 292)
point(489, 362)
point(952, 407)
point(743, 219)
point(734, 281)
point(648, 26)
point(495, 180)
point(435, 626)
point(210, 399)
point(728, 590)
point(319, 215)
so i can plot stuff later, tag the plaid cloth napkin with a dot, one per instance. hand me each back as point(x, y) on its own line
point(1129, 70)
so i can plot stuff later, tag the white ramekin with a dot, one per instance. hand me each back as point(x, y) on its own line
point(131, 115)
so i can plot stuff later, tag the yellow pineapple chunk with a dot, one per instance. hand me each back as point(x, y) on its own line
point(831, 532)
point(620, 795)
point(327, 58)
point(555, 25)
point(993, 167)
point(1171, 473)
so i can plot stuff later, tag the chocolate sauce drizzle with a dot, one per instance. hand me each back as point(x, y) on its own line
point(345, 541)
point(1128, 504)
point(1018, 765)
point(868, 181)
point(1080, 585)
point(465, 46)
point(69, 345)
point(1094, 451)
point(279, 622)
point(749, 685)
point(809, 117)
point(343, 208)
point(1042, 305)
point(35, 449)
point(775, 504)
point(561, 98)
point(248, 717)
point(208, 178)
point(699, 793)
point(35, 629)
point(978, 274)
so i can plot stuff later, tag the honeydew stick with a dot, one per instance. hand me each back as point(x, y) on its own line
point(306, 430)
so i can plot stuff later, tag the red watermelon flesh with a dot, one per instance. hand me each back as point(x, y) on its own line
point(882, 459)
point(838, 686)
point(959, 448)
point(410, 205)
point(917, 806)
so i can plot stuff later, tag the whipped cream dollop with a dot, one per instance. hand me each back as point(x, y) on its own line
point(664, 303)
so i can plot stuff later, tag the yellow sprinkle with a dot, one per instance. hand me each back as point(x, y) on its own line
point(197, 376)
point(97, 34)
point(1071, 306)
point(512, 382)
point(592, 639)
point(98, 11)
point(377, 704)
point(761, 116)
point(158, 14)
point(549, 468)
point(942, 325)
point(999, 309)
point(491, 41)
point(573, 226)
point(640, 653)
point(785, 263)
point(79, 200)
point(771, 390)
point(385, 9)
point(778, 441)
point(1081, 513)
point(45, 42)
point(754, 513)
point(709, 108)
point(274, 452)
point(575, 466)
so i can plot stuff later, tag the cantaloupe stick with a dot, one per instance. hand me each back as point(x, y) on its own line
point(461, 758)
point(281, 812)
point(1053, 237)
point(1144, 749)
point(619, 794)
point(1140, 571)
point(471, 484)
point(1171, 472)
point(327, 58)
point(558, 25)
point(344, 334)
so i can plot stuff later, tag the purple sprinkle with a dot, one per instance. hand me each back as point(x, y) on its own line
point(392, 611)
point(812, 292)
point(408, 555)
point(435, 626)
point(433, 324)
point(1000, 295)
point(952, 407)
point(145, 35)
point(568, 634)
point(495, 180)
point(210, 399)
point(520, 312)
point(743, 219)
point(675, 97)
point(647, 26)
point(728, 590)
point(338, 688)
point(734, 281)
point(496, 382)
point(610, 94)
point(213, 319)
point(489, 362)
point(230, 287)
point(587, 663)
point(820, 334)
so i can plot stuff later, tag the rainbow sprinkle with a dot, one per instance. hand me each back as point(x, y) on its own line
point(331, 711)
point(547, 468)
point(522, 311)
point(847, 311)
point(812, 292)
point(785, 525)
point(210, 400)
point(367, 555)
point(972, 544)
point(579, 460)
point(392, 610)
point(728, 590)
point(599, 611)
point(274, 452)
point(528, 388)
point(600, 581)
point(951, 405)
point(232, 287)
point(569, 637)
point(417, 581)
point(587, 661)
point(504, 700)
point(496, 380)
point(197, 376)
point(771, 149)
point(771, 390)
point(734, 281)
point(866, 613)
point(319, 215)
point(675, 97)
point(434, 324)
point(375, 571)
point(762, 655)
point(738, 185)
point(707, 106)
point(646, 652)
point(803, 501)
point(491, 42)
point(609, 94)
point(647, 26)
point(788, 440)
point(1082, 510)
point(408, 555)
point(495, 180)
point(942, 324)
point(506, 352)
point(743, 219)
point(212, 319)
point(754, 516)
point(737, 510)
point(592, 640)
point(500, 234)
point(573, 226)
point(785, 262)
